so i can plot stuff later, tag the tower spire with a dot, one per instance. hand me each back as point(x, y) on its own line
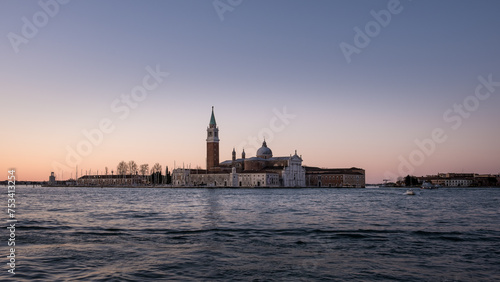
point(212, 143)
point(212, 123)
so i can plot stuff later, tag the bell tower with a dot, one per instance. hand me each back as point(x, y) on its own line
point(212, 143)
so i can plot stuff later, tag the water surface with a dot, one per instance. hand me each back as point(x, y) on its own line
point(123, 234)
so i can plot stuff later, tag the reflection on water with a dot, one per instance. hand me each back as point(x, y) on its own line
point(257, 234)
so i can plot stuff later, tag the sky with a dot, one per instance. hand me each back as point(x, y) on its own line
point(393, 87)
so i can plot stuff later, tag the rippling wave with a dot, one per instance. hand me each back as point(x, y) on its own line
point(257, 235)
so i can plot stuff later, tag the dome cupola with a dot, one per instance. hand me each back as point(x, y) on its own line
point(264, 152)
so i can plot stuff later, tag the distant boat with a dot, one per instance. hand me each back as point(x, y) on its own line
point(409, 192)
point(427, 185)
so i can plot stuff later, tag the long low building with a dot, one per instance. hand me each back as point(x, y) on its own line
point(462, 179)
point(261, 171)
point(112, 180)
point(194, 178)
point(335, 177)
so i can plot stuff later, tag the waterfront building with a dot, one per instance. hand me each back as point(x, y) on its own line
point(335, 177)
point(461, 179)
point(112, 180)
point(53, 182)
point(263, 170)
point(457, 182)
point(52, 179)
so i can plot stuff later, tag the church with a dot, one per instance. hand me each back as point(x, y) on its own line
point(263, 170)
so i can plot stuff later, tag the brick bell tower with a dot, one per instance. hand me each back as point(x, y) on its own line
point(212, 143)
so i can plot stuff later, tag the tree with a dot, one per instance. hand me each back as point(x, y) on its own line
point(411, 180)
point(132, 167)
point(156, 176)
point(492, 181)
point(168, 177)
point(156, 168)
point(122, 168)
point(144, 169)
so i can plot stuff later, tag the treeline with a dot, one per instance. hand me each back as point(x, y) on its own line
point(155, 173)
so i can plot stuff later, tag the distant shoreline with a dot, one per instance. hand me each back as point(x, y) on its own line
point(228, 187)
point(190, 187)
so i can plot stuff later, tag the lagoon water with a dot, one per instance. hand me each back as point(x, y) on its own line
point(125, 234)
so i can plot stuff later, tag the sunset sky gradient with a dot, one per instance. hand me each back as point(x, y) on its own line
point(263, 57)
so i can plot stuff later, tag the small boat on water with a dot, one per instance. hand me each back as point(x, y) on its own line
point(409, 192)
point(427, 185)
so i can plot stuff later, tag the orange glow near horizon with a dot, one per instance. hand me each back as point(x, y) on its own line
point(377, 157)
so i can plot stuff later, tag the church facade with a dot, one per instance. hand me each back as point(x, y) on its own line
point(263, 170)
